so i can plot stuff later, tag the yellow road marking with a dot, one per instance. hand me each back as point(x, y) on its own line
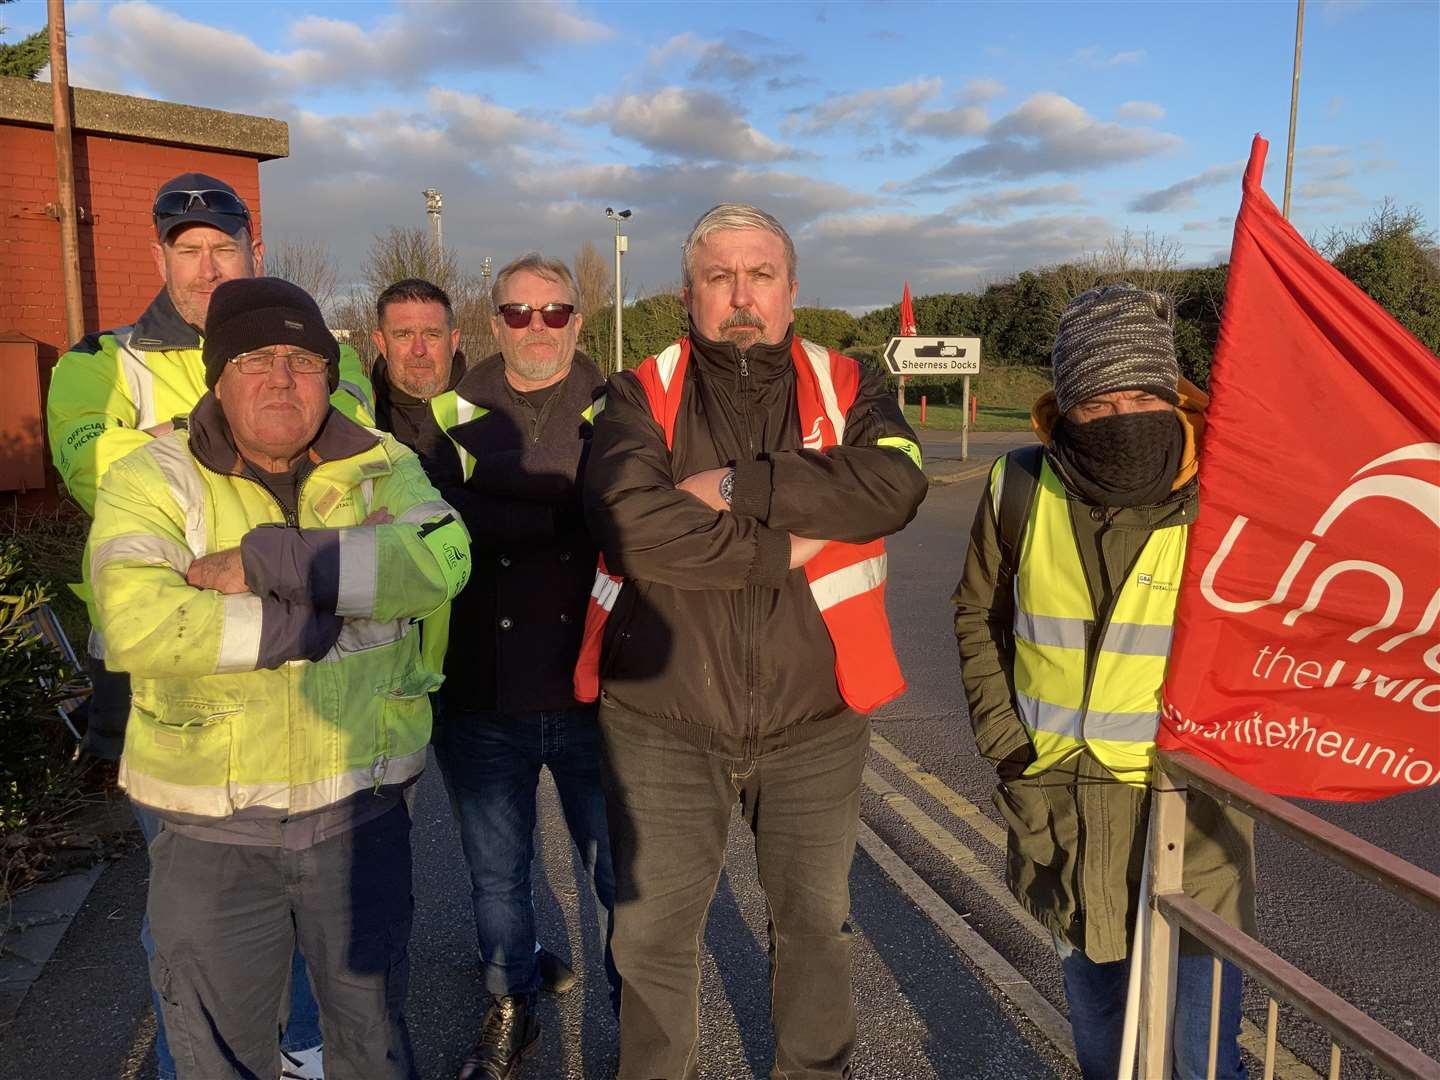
point(945, 842)
point(1252, 1038)
point(952, 800)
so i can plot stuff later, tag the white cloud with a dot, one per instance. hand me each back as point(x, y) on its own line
point(1182, 193)
point(1094, 56)
point(1225, 221)
point(1047, 133)
point(864, 109)
point(997, 205)
point(741, 58)
point(1140, 110)
point(863, 251)
point(181, 59)
point(694, 124)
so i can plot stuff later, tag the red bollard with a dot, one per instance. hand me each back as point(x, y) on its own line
point(974, 409)
point(922, 408)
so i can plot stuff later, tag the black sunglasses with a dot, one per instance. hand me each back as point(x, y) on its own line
point(172, 203)
point(517, 316)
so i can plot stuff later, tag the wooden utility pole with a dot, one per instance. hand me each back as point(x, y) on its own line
point(65, 209)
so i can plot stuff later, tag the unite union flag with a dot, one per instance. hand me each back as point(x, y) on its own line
point(1307, 641)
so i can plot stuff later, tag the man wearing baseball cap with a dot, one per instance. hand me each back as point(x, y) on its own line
point(1064, 616)
point(259, 571)
point(116, 390)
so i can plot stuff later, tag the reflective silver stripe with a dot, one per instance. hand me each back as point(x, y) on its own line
point(240, 636)
point(1132, 639)
point(1061, 720)
point(819, 358)
point(140, 379)
point(849, 581)
point(359, 552)
point(605, 589)
point(216, 801)
point(464, 413)
point(1050, 630)
point(182, 476)
point(367, 494)
point(359, 635)
point(665, 362)
point(422, 512)
point(354, 391)
point(145, 549)
point(1138, 639)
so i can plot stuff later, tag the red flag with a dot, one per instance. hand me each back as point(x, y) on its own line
point(907, 314)
point(1307, 657)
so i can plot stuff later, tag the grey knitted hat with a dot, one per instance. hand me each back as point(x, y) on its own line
point(1115, 337)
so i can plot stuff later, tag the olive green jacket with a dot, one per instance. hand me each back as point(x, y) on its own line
point(1076, 835)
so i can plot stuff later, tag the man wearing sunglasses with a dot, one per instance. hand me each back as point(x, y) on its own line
point(260, 574)
point(741, 481)
point(507, 448)
point(115, 390)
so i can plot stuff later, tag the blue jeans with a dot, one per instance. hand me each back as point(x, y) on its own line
point(301, 1033)
point(1096, 993)
point(491, 764)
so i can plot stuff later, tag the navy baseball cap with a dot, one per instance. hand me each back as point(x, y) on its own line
point(196, 199)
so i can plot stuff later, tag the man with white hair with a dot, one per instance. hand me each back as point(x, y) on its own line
point(741, 482)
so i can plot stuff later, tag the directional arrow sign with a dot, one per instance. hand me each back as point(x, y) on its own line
point(933, 356)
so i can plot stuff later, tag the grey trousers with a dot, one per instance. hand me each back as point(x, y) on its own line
point(226, 920)
point(669, 807)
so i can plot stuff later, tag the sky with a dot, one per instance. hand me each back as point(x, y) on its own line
point(949, 145)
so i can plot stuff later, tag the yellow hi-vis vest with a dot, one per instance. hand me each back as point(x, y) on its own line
point(1112, 708)
point(210, 734)
point(450, 411)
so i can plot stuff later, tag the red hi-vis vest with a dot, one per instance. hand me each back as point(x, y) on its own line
point(847, 581)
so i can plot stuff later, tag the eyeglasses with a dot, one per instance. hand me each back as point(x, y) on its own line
point(261, 361)
point(517, 316)
point(171, 203)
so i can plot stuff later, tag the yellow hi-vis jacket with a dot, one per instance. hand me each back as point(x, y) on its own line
point(224, 719)
point(111, 386)
point(1070, 694)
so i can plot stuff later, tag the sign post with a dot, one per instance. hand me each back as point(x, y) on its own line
point(938, 356)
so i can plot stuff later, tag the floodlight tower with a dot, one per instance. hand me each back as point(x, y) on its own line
point(622, 244)
point(434, 204)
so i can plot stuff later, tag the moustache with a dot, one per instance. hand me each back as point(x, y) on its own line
point(743, 317)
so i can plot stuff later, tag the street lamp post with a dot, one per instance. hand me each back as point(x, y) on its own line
point(621, 246)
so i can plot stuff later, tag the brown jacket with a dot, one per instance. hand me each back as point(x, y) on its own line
point(1076, 836)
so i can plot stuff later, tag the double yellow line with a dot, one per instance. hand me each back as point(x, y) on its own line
point(1252, 1038)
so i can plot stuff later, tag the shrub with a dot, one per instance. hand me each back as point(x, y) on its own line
point(34, 766)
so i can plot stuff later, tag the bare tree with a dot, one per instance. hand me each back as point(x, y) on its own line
point(410, 253)
point(594, 278)
point(306, 263)
point(1146, 260)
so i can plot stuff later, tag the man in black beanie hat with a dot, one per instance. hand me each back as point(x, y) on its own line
point(115, 390)
point(1063, 618)
point(259, 573)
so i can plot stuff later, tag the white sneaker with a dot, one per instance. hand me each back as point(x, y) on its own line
point(303, 1064)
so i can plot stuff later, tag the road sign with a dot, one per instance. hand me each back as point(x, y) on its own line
point(933, 356)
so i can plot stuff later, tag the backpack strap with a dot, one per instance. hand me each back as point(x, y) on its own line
point(1019, 479)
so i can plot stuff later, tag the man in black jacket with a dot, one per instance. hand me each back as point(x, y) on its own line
point(508, 446)
point(719, 470)
point(420, 357)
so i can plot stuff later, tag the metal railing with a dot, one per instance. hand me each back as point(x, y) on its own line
point(1171, 911)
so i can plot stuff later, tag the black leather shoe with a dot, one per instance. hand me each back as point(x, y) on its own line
point(509, 1033)
point(555, 975)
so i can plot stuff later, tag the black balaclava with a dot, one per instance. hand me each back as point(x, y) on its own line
point(1130, 459)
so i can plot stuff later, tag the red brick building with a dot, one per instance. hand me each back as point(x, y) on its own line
point(124, 148)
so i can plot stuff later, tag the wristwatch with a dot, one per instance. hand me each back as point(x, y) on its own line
point(727, 486)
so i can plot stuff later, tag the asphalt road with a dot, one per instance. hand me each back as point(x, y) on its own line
point(924, 1009)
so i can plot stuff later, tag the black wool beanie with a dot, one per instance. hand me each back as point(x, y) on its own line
point(255, 313)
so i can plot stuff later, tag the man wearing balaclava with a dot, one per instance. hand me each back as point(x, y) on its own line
point(1064, 617)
